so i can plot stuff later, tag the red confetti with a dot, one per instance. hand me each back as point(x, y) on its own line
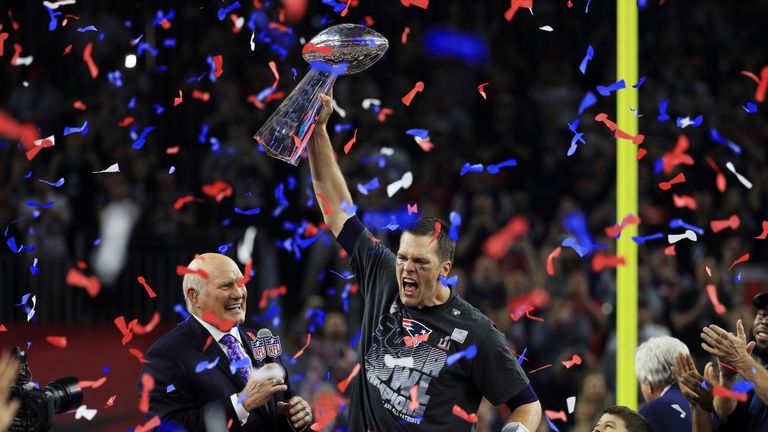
point(3, 328)
point(144, 329)
point(91, 284)
point(148, 426)
point(601, 262)
point(550, 260)
point(348, 145)
point(556, 415)
point(615, 230)
point(677, 156)
point(403, 37)
point(31, 153)
point(424, 4)
point(732, 222)
point(184, 200)
point(3, 37)
point(14, 24)
point(57, 341)
point(684, 201)
point(636, 139)
point(182, 270)
point(271, 293)
point(147, 287)
point(765, 231)
point(497, 245)
point(680, 178)
point(528, 310)
point(641, 152)
point(438, 225)
point(179, 99)
point(762, 83)
point(82, 265)
point(210, 339)
point(670, 250)
point(460, 413)
point(67, 49)
point(416, 89)
point(218, 190)
point(744, 258)
point(539, 369)
point(93, 384)
point(346, 9)
point(301, 351)
point(575, 360)
point(345, 383)
point(383, 113)
point(412, 209)
point(720, 391)
point(327, 210)
point(92, 68)
point(414, 392)
point(515, 5)
point(79, 105)
point(481, 89)
point(411, 341)
point(138, 354)
point(147, 384)
point(201, 95)
point(720, 180)
point(246, 273)
point(125, 330)
point(27, 132)
point(425, 144)
point(310, 47)
point(110, 401)
point(273, 66)
point(217, 61)
point(172, 150)
point(126, 121)
point(223, 325)
point(712, 293)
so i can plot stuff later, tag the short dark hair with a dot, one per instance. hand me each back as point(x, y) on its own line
point(633, 421)
point(426, 226)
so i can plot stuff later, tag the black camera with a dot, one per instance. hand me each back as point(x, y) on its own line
point(39, 405)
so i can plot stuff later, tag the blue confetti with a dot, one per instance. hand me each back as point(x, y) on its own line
point(170, 388)
point(750, 108)
point(115, 78)
point(663, 111)
point(271, 313)
point(521, 357)
point(468, 353)
point(590, 54)
point(97, 242)
point(606, 90)
point(205, 365)
point(237, 364)
point(587, 101)
point(723, 141)
point(421, 133)
point(552, 425)
point(53, 22)
point(644, 239)
point(743, 386)
point(197, 78)
point(82, 129)
point(85, 29)
point(494, 169)
point(345, 275)
point(139, 143)
point(355, 339)
point(224, 248)
point(573, 244)
point(449, 282)
point(639, 83)
point(737, 278)
point(455, 220)
point(37, 204)
point(33, 268)
point(169, 43)
point(224, 11)
point(132, 103)
point(476, 168)
point(143, 46)
point(57, 184)
point(371, 185)
point(348, 208)
point(28, 175)
point(679, 223)
point(250, 212)
point(181, 310)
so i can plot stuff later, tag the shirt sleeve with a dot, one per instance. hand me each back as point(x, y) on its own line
point(495, 371)
point(370, 259)
point(242, 413)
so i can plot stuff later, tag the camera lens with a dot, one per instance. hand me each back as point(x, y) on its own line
point(65, 393)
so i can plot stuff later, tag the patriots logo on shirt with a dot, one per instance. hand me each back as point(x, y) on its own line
point(417, 332)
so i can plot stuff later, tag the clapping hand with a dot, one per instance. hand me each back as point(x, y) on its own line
point(692, 383)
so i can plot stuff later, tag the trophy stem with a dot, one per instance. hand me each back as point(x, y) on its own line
point(286, 133)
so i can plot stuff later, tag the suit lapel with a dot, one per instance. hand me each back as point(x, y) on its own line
point(213, 351)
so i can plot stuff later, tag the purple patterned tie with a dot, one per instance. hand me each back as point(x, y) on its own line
point(236, 356)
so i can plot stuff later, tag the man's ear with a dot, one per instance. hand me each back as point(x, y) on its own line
point(192, 296)
point(446, 268)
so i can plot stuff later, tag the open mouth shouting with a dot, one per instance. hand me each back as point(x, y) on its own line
point(234, 308)
point(409, 286)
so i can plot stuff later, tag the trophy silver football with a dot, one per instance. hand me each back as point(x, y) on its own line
point(339, 50)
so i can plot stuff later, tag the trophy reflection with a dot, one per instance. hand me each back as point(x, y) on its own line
point(339, 50)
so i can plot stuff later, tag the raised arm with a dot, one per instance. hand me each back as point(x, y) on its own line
point(330, 186)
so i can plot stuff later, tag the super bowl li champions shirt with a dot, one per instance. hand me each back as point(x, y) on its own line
point(406, 382)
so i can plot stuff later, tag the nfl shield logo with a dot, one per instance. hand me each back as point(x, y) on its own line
point(259, 352)
point(273, 346)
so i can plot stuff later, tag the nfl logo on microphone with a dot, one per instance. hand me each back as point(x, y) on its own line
point(259, 352)
point(273, 346)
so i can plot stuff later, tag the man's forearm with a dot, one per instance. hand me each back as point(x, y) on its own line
point(752, 371)
point(529, 415)
point(724, 406)
point(700, 420)
point(327, 180)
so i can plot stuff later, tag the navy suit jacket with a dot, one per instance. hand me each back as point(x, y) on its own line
point(663, 417)
point(204, 396)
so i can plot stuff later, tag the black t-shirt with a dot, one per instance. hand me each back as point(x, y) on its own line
point(402, 348)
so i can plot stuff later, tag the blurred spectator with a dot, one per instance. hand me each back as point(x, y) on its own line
point(621, 419)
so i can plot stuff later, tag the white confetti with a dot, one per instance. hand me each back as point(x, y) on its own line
point(338, 109)
point(83, 411)
point(112, 169)
point(403, 183)
point(54, 5)
point(747, 184)
point(172, 170)
point(253, 45)
point(674, 238)
point(546, 28)
point(370, 101)
point(571, 402)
